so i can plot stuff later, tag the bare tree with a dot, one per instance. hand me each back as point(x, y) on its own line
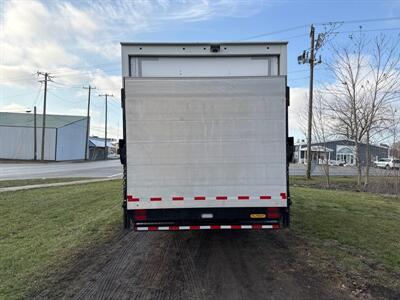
point(321, 131)
point(381, 85)
point(321, 128)
point(366, 77)
point(347, 95)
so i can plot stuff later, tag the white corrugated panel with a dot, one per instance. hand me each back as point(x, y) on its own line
point(208, 137)
point(18, 143)
point(71, 141)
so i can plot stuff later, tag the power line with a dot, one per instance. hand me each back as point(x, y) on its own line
point(359, 21)
point(23, 77)
point(300, 78)
point(66, 85)
point(273, 32)
point(320, 23)
point(37, 95)
point(61, 98)
point(368, 30)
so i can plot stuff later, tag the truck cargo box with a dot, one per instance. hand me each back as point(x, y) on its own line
point(205, 136)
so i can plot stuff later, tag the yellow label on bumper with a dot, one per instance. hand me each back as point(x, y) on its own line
point(258, 216)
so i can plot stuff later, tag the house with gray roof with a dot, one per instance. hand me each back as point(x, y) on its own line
point(65, 137)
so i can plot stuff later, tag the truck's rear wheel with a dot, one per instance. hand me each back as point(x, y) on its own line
point(126, 218)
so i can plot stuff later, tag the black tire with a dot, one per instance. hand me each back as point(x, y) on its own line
point(126, 218)
point(387, 167)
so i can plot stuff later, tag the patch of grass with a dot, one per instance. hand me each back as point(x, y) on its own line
point(377, 184)
point(317, 181)
point(22, 182)
point(42, 229)
point(357, 233)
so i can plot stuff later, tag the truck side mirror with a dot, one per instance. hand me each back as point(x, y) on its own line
point(290, 148)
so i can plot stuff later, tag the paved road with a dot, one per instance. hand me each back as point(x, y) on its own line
point(110, 168)
point(195, 265)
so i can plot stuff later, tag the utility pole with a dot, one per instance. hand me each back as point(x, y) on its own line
point(47, 77)
point(303, 59)
point(89, 88)
point(105, 125)
point(310, 102)
point(34, 134)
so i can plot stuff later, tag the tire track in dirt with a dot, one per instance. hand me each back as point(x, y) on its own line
point(192, 283)
point(196, 265)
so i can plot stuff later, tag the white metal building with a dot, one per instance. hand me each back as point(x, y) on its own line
point(65, 137)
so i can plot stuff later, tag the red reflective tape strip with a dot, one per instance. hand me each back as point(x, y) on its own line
point(215, 227)
point(275, 226)
point(152, 228)
point(200, 198)
point(132, 199)
point(178, 198)
point(194, 227)
point(236, 227)
point(173, 227)
point(155, 199)
point(221, 198)
point(265, 197)
point(283, 196)
point(256, 226)
point(243, 197)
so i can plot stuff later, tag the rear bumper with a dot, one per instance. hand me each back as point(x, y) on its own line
point(209, 218)
point(205, 227)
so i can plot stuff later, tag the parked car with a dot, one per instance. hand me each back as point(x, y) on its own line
point(387, 163)
point(336, 163)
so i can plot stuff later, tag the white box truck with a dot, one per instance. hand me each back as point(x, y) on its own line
point(205, 136)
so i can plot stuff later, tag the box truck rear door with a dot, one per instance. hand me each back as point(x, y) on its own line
point(206, 142)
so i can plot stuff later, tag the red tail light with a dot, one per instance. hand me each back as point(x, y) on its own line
point(140, 215)
point(273, 213)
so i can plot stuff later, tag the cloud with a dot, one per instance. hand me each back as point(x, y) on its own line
point(107, 83)
point(13, 107)
point(97, 129)
point(81, 22)
point(54, 36)
point(33, 36)
point(298, 103)
point(68, 39)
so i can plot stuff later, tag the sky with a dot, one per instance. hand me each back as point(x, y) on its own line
point(78, 43)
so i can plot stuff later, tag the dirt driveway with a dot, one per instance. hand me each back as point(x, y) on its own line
point(194, 265)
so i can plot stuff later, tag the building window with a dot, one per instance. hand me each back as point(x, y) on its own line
point(345, 154)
